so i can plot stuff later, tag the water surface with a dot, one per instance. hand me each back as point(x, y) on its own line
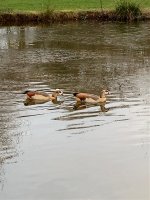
point(63, 152)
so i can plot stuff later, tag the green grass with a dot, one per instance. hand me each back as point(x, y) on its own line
point(58, 5)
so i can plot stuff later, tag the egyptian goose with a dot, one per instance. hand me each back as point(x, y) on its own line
point(91, 98)
point(43, 96)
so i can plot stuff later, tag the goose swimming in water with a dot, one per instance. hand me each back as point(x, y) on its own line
point(91, 98)
point(43, 96)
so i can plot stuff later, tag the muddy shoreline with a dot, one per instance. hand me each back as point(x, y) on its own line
point(52, 17)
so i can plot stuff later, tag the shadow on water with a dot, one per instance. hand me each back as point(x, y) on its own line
point(79, 145)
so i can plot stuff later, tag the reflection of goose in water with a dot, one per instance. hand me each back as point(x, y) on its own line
point(82, 105)
point(43, 96)
point(79, 105)
point(103, 108)
point(91, 98)
point(30, 102)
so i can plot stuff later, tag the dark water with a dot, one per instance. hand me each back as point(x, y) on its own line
point(60, 152)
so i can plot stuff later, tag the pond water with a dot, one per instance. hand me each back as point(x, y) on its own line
point(59, 151)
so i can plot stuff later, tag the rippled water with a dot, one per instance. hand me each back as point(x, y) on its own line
point(62, 151)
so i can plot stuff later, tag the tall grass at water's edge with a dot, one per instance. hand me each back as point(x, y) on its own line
point(127, 10)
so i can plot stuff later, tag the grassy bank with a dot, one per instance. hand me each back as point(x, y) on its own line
point(62, 5)
point(51, 17)
point(19, 12)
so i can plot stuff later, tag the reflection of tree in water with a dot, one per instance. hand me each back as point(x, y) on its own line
point(10, 124)
point(9, 132)
point(9, 138)
point(81, 61)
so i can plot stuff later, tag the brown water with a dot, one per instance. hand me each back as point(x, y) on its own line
point(58, 151)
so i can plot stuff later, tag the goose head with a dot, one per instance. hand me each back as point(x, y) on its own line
point(103, 93)
point(58, 92)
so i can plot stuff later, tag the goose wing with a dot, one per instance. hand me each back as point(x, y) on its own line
point(41, 93)
point(92, 96)
point(83, 96)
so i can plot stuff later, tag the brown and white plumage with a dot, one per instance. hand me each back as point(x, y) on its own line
point(43, 96)
point(91, 98)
